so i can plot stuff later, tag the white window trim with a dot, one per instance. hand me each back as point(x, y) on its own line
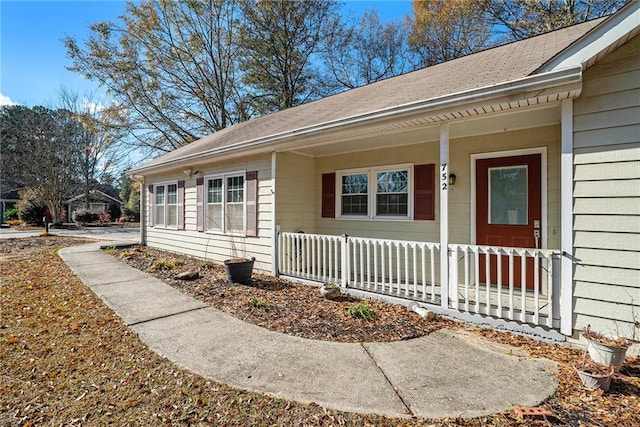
point(372, 192)
point(166, 184)
point(224, 176)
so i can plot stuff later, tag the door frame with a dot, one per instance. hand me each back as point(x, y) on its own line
point(543, 187)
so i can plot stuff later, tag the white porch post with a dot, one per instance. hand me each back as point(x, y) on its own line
point(444, 215)
point(275, 228)
point(566, 214)
point(144, 222)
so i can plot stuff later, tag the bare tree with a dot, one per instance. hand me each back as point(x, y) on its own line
point(98, 142)
point(525, 18)
point(170, 67)
point(366, 52)
point(279, 41)
point(443, 30)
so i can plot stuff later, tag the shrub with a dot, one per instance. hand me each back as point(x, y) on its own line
point(132, 213)
point(162, 264)
point(84, 216)
point(31, 208)
point(361, 311)
point(10, 214)
point(104, 217)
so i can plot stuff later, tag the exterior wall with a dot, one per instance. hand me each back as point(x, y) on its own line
point(295, 193)
point(607, 194)
point(211, 246)
point(400, 230)
point(460, 152)
point(459, 195)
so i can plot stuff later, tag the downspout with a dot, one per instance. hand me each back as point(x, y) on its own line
point(566, 217)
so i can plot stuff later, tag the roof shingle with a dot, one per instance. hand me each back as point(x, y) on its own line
point(483, 69)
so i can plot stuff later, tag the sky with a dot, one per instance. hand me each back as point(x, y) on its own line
point(33, 58)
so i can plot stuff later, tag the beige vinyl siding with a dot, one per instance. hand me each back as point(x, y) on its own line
point(295, 193)
point(212, 246)
point(607, 194)
point(461, 150)
point(417, 154)
point(427, 152)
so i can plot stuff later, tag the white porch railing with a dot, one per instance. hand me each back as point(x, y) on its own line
point(516, 284)
point(392, 267)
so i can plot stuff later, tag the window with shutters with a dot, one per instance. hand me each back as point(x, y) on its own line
point(225, 203)
point(375, 193)
point(166, 204)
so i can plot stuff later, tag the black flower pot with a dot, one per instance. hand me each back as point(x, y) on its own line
point(239, 270)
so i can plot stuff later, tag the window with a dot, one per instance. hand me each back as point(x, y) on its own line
point(354, 194)
point(392, 195)
point(508, 195)
point(225, 202)
point(382, 193)
point(166, 205)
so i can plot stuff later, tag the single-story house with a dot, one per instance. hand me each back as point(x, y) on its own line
point(502, 187)
point(102, 199)
point(8, 196)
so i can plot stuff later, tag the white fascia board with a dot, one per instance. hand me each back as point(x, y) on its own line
point(487, 94)
point(599, 39)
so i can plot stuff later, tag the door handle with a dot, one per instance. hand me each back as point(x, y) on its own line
point(536, 236)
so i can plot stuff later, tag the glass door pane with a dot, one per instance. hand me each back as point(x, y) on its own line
point(508, 195)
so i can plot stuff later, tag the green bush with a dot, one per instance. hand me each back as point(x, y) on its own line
point(361, 311)
point(84, 216)
point(10, 214)
point(31, 208)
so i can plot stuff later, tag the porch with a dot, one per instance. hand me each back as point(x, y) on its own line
point(513, 284)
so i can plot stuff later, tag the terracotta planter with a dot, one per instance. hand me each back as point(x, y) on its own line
point(239, 270)
point(605, 354)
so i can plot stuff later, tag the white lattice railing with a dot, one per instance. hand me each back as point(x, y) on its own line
point(508, 283)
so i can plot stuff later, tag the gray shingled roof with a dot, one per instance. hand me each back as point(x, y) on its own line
point(483, 69)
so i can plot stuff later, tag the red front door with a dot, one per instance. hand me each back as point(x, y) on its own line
point(508, 211)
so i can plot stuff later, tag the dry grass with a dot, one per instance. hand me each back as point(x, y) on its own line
point(68, 360)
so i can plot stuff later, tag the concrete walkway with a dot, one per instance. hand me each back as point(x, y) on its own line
point(445, 374)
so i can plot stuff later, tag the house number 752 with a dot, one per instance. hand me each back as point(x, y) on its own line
point(443, 176)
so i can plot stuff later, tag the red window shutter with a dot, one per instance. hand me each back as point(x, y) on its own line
point(180, 205)
point(328, 195)
point(152, 206)
point(424, 203)
point(200, 204)
point(252, 203)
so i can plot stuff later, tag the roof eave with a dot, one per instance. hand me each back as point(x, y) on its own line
point(603, 38)
point(561, 79)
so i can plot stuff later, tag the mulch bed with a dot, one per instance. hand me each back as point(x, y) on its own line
point(67, 359)
point(282, 305)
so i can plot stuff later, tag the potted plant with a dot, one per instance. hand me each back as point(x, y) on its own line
point(594, 376)
point(606, 350)
point(239, 267)
point(239, 270)
point(330, 290)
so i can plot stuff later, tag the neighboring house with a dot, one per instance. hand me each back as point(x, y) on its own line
point(8, 197)
point(502, 187)
point(105, 199)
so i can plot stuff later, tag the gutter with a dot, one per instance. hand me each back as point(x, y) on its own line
point(537, 82)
